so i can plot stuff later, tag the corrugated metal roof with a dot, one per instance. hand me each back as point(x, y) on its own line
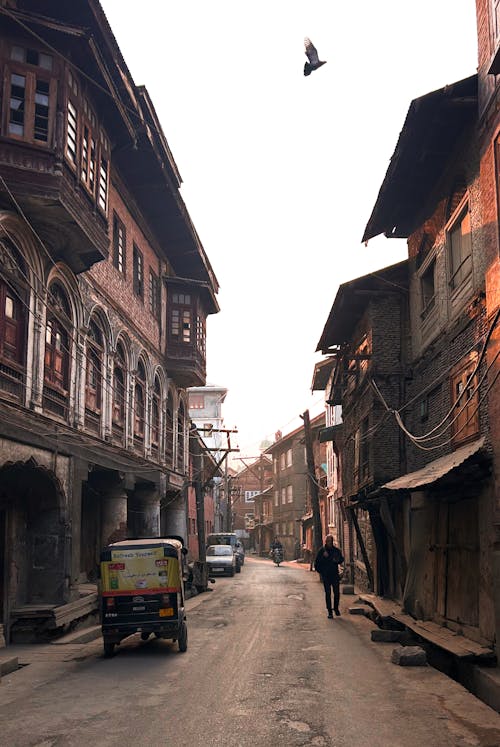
point(436, 469)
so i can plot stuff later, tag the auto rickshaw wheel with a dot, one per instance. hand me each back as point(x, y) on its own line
point(182, 641)
point(145, 636)
point(109, 648)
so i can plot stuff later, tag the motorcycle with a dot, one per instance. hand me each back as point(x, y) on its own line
point(277, 555)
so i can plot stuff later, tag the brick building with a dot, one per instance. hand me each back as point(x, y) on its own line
point(488, 30)
point(248, 485)
point(104, 293)
point(292, 514)
point(447, 493)
point(367, 333)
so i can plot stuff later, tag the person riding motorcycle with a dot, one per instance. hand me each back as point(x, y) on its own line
point(276, 551)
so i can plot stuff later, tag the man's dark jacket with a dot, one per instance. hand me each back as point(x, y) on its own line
point(328, 567)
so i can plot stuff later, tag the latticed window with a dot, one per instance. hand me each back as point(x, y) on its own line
point(140, 401)
point(181, 421)
point(138, 269)
point(93, 394)
point(13, 317)
point(31, 100)
point(154, 294)
point(119, 387)
point(57, 352)
point(169, 430)
point(181, 318)
point(119, 244)
point(87, 146)
point(155, 415)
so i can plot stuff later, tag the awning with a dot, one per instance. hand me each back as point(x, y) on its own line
point(436, 469)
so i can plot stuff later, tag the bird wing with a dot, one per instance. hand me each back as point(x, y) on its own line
point(311, 52)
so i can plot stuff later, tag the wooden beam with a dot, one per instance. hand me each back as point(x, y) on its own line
point(359, 536)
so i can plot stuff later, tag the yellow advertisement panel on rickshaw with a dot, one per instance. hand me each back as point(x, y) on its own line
point(136, 570)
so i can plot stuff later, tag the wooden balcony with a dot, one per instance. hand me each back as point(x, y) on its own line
point(55, 203)
point(186, 365)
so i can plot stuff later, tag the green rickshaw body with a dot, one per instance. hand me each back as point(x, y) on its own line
point(142, 590)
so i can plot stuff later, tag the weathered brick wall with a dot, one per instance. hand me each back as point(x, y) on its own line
point(117, 288)
point(385, 322)
point(456, 325)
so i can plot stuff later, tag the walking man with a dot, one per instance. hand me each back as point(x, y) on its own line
point(327, 564)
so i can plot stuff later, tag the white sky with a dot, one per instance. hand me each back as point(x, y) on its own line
point(280, 171)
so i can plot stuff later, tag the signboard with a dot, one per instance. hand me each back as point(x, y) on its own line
point(133, 570)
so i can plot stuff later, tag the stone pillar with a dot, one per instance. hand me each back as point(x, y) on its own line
point(144, 512)
point(174, 515)
point(113, 515)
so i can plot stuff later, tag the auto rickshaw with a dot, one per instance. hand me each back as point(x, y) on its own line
point(142, 590)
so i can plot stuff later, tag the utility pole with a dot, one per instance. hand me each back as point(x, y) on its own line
point(200, 571)
point(313, 485)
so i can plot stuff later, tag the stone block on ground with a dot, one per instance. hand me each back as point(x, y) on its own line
point(348, 589)
point(8, 664)
point(85, 635)
point(409, 656)
point(360, 609)
point(388, 636)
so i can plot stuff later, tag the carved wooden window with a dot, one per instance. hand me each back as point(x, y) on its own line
point(119, 244)
point(87, 146)
point(155, 415)
point(140, 402)
point(93, 390)
point(154, 294)
point(138, 272)
point(13, 318)
point(181, 424)
point(465, 400)
point(169, 429)
point(201, 334)
point(30, 92)
point(57, 352)
point(181, 318)
point(90, 134)
point(119, 388)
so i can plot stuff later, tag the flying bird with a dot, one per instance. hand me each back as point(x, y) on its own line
point(312, 55)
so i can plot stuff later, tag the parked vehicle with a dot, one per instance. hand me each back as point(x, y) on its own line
point(232, 539)
point(142, 590)
point(221, 559)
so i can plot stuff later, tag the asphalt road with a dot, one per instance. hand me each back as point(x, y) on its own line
point(264, 667)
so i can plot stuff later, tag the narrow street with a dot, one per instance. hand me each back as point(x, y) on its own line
point(264, 666)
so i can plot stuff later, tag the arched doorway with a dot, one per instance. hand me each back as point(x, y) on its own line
point(32, 545)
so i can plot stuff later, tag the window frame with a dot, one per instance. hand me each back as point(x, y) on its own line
point(94, 395)
point(138, 272)
point(472, 425)
point(140, 414)
point(31, 73)
point(154, 294)
point(119, 246)
point(428, 304)
point(119, 406)
point(461, 213)
point(85, 118)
